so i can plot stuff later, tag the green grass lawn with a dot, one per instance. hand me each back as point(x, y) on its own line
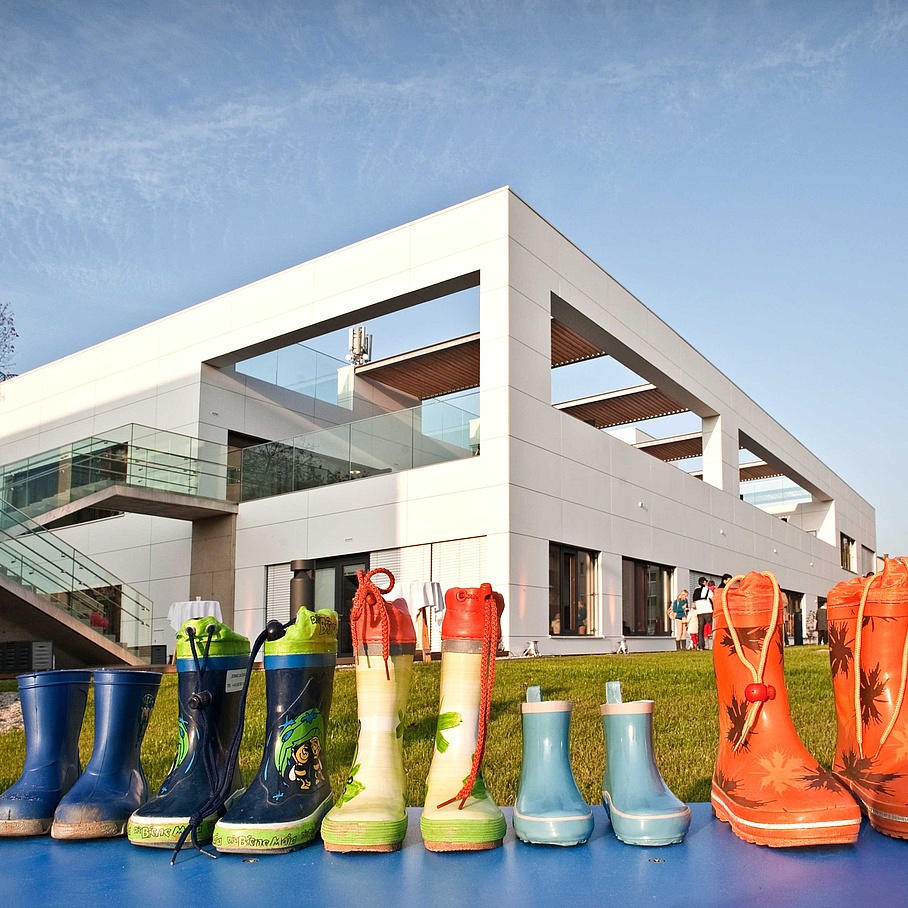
point(685, 719)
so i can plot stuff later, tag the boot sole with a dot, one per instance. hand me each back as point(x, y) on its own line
point(786, 835)
point(269, 838)
point(18, 828)
point(99, 829)
point(892, 824)
point(363, 835)
point(560, 830)
point(463, 835)
point(630, 827)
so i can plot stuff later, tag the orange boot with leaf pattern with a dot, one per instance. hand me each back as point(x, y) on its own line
point(868, 627)
point(766, 785)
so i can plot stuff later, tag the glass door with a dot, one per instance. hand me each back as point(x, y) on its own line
point(335, 587)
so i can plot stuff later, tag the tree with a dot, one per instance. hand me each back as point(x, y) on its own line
point(8, 335)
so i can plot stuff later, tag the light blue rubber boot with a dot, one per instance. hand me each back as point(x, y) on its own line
point(642, 809)
point(550, 809)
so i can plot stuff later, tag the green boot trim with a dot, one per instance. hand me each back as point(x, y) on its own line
point(363, 835)
point(164, 832)
point(453, 831)
point(269, 838)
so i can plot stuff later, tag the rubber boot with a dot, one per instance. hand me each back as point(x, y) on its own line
point(766, 785)
point(211, 665)
point(549, 809)
point(642, 809)
point(371, 813)
point(113, 784)
point(459, 814)
point(284, 804)
point(53, 704)
point(872, 717)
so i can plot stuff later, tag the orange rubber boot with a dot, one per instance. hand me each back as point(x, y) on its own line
point(868, 627)
point(766, 785)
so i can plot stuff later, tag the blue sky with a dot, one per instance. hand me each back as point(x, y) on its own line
point(740, 167)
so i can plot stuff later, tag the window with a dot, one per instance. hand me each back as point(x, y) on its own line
point(792, 619)
point(647, 593)
point(572, 591)
point(277, 592)
point(868, 561)
point(848, 552)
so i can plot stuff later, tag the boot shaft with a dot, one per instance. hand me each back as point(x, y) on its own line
point(546, 762)
point(748, 658)
point(630, 760)
point(868, 652)
point(53, 706)
point(299, 686)
point(842, 605)
point(211, 664)
point(124, 699)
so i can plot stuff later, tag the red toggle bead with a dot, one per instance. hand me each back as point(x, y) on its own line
point(755, 693)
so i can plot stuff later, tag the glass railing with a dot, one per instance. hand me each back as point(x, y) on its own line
point(435, 432)
point(298, 368)
point(132, 455)
point(42, 563)
point(138, 456)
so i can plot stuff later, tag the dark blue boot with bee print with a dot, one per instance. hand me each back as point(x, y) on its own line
point(283, 806)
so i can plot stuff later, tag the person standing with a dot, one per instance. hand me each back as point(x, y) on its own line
point(678, 613)
point(703, 602)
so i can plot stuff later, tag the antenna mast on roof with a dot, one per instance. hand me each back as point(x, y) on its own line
point(360, 346)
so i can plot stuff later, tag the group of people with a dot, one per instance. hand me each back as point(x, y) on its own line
point(693, 619)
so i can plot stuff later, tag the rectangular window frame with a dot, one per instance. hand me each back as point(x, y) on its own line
point(573, 591)
point(646, 597)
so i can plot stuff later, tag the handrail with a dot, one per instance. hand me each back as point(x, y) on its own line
point(43, 563)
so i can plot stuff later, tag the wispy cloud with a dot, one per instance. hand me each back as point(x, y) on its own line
point(158, 120)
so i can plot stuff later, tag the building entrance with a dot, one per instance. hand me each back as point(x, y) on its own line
point(335, 586)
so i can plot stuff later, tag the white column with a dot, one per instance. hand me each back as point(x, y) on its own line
point(720, 453)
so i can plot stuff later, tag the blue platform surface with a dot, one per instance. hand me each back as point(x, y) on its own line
point(710, 867)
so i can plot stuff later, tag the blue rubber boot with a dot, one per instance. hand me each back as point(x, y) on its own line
point(550, 809)
point(53, 704)
point(642, 809)
point(113, 784)
point(211, 666)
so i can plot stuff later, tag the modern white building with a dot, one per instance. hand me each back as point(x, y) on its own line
point(201, 454)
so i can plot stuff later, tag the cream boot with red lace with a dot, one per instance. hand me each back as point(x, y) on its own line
point(371, 813)
point(459, 814)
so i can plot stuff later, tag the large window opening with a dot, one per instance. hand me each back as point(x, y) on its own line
point(647, 594)
point(332, 408)
point(848, 553)
point(572, 591)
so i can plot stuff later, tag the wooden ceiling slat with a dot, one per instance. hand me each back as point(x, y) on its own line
point(432, 371)
point(570, 347)
point(758, 470)
point(619, 408)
